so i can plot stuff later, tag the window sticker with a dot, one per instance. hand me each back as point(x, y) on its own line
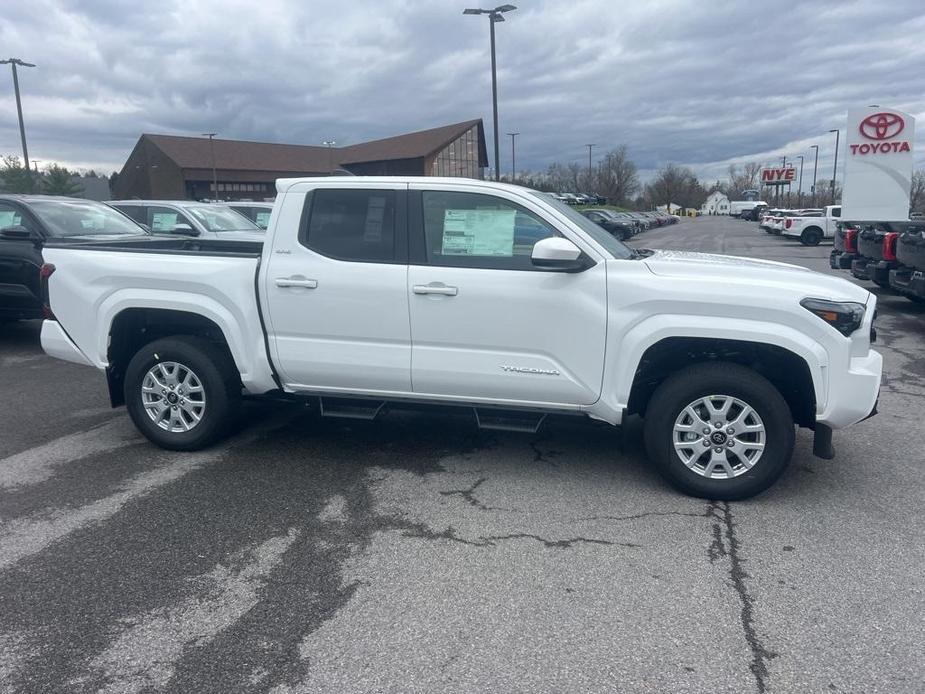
point(375, 214)
point(9, 218)
point(478, 232)
point(163, 221)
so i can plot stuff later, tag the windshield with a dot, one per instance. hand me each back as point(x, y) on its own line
point(217, 218)
point(599, 234)
point(83, 218)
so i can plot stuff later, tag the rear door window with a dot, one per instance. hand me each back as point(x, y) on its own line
point(354, 224)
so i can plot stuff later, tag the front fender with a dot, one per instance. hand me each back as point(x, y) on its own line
point(625, 354)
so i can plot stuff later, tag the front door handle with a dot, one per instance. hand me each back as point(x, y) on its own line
point(435, 288)
point(296, 282)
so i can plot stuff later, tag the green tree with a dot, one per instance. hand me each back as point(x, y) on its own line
point(60, 181)
point(14, 178)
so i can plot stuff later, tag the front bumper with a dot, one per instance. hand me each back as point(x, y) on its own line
point(853, 393)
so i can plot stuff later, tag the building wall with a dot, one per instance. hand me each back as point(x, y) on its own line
point(391, 167)
point(459, 158)
point(149, 175)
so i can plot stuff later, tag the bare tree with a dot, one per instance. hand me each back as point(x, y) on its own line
point(617, 177)
point(676, 185)
point(917, 192)
point(742, 179)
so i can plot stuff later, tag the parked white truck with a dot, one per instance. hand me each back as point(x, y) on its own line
point(812, 229)
point(374, 291)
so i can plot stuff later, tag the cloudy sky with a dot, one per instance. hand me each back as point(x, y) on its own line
point(691, 82)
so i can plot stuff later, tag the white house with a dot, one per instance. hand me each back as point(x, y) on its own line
point(716, 203)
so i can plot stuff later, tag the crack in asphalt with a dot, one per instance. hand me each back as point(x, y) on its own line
point(469, 495)
point(707, 514)
point(425, 532)
point(539, 455)
point(726, 544)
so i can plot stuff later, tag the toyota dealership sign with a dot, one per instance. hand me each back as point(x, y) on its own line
point(878, 164)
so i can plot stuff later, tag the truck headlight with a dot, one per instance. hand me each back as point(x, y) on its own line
point(844, 316)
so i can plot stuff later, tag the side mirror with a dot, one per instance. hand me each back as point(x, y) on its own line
point(559, 255)
point(185, 230)
point(19, 233)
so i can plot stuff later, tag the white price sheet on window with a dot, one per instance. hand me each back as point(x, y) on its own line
point(478, 232)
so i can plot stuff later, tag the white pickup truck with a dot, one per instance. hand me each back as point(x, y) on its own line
point(388, 291)
point(811, 230)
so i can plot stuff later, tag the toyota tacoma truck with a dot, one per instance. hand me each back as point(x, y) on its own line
point(370, 293)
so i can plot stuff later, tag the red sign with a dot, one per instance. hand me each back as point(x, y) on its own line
point(882, 126)
point(778, 177)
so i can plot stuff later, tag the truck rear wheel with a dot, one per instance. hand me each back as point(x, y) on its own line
point(811, 236)
point(182, 392)
point(719, 431)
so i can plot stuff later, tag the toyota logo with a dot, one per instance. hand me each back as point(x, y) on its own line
point(882, 126)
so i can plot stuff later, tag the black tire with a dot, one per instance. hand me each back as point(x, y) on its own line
point(701, 380)
point(215, 370)
point(811, 236)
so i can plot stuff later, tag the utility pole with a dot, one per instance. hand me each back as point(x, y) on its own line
point(13, 62)
point(800, 186)
point(590, 146)
point(815, 169)
point(211, 137)
point(835, 166)
point(513, 158)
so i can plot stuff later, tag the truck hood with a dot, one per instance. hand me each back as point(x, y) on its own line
point(737, 270)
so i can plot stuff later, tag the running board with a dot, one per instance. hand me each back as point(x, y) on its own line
point(351, 408)
point(509, 420)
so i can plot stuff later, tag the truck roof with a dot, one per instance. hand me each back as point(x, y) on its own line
point(283, 184)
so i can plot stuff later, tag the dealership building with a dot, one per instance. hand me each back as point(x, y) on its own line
point(171, 167)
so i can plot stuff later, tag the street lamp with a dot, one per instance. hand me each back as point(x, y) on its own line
point(495, 15)
point(590, 146)
point(513, 158)
point(835, 167)
point(800, 186)
point(22, 128)
point(211, 137)
point(815, 168)
point(330, 145)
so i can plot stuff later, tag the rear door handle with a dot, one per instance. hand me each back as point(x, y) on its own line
point(435, 288)
point(296, 282)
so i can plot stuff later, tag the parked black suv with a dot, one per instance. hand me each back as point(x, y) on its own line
point(26, 221)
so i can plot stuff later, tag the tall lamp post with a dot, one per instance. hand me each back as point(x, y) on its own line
point(800, 185)
point(815, 169)
point(513, 158)
point(780, 198)
point(211, 137)
point(330, 145)
point(495, 15)
point(835, 166)
point(13, 62)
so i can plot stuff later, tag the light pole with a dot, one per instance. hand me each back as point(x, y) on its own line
point(783, 163)
point(590, 146)
point(835, 166)
point(495, 15)
point(211, 137)
point(22, 128)
point(815, 169)
point(800, 186)
point(330, 145)
point(513, 158)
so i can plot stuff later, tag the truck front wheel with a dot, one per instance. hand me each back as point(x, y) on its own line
point(182, 392)
point(719, 431)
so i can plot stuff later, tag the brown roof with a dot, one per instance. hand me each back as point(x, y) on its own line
point(195, 153)
point(410, 146)
point(242, 155)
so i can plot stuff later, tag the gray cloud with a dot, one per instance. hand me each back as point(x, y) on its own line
point(702, 84)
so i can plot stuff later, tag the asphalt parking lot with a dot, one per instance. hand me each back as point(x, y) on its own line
point(416, 554)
